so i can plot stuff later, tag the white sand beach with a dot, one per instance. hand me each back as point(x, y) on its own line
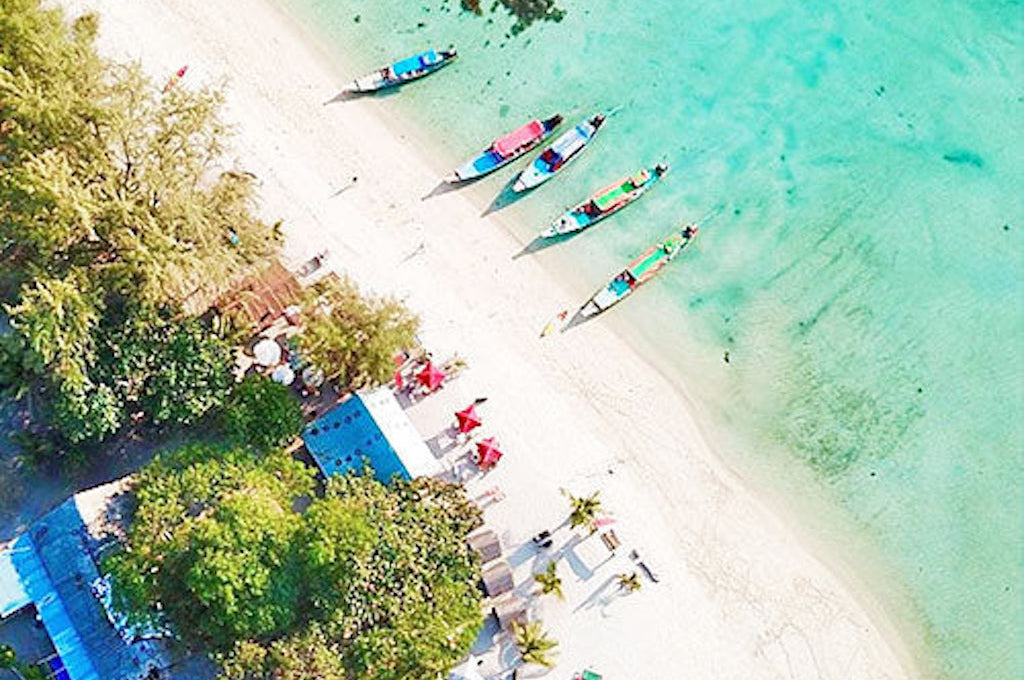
point(739, 597)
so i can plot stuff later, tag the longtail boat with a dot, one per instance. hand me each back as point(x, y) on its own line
point(605, 202)
point(404, 71)
point(506, 149)
point(640, 271)
point(567, 147)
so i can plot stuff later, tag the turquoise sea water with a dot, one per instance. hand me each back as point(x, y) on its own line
point(864, 270)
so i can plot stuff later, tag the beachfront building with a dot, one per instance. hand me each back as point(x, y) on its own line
point(55, 606)
point(369, 426)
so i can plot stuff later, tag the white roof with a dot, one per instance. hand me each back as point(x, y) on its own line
point(406, 441)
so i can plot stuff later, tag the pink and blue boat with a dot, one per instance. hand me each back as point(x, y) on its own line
point(506, 149)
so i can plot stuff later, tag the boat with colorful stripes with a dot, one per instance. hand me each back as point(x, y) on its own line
point(403, 71)
point(506, 149)
point(567, 147)
point(640, 271)
point(605, 202)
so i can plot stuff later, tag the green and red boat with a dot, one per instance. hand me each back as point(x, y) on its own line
point(606, 202)
point(640, 271)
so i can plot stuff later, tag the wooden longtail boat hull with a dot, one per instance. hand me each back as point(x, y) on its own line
point(606, 202)
point(563, 150)
point(498, 155)
point(640, 271)
point(403, 71)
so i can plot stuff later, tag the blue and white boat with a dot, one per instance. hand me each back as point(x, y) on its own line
point(404, 71)
point(506, 149)
point(556, 156)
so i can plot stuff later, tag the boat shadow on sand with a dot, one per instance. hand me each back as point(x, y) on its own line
point(540, 243)
point(505, 197)
point(347, 95)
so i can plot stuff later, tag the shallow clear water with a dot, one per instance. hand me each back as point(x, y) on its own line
point(864, 270)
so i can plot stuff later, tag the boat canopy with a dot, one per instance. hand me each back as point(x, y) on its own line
point(515, 140)
point(571, 141)
point(414, 63)
point(612, 195)
point(651, 261)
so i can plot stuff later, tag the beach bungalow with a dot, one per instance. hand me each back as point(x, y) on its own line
point(369, 426)
point(55, 605)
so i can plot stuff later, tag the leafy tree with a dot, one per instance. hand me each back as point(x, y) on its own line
point(16, 366)
point(584, 510)
point(116, 226)
point(630, 583)
point(534, 643)
point(89, 413)
point(549, 581)
point(262, 414)
point(108, 174)
point(392, 576)
point(308, 654)
point(354, 337)
point(211, 543)
point(57, 322)
point(191, 374)
point(372, 581)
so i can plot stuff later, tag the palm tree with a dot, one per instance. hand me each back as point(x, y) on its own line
point(629, 582)
point(584, 510)
point(534, 643)
point(550, 581)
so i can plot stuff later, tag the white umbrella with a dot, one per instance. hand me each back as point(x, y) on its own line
point(267, 352)
point(313, 376)
point(283, 374)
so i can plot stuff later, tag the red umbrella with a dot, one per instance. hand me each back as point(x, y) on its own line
point(431, 377)
point(487, 453)
point(468, 419)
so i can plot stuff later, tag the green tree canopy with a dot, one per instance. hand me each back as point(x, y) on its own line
point(262, 414)
point(379, 573)
point(211, 544)
point(392, 575)
point(354, 337)
point(118, 223)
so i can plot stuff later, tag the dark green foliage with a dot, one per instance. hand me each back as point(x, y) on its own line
point(379, 575)
point(114, 232)
point(309, 654)
point(394, 577)
point(354, 337)
point(262, 414)
point(212, 542)
point(191, 374)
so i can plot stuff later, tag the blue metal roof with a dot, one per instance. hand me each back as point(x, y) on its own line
point(52, 567)
point(369, 426)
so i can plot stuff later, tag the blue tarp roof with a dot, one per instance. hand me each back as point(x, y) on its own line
point(52, 566)
point(369, 425)
point(414, 63)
